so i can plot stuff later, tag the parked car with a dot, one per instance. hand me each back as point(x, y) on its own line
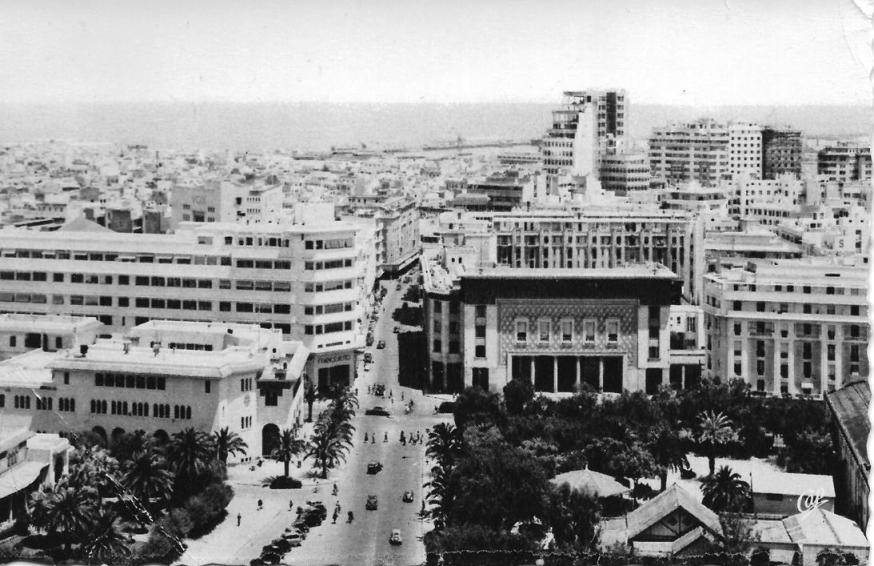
point(271, 558)
point(398, 287)
point(446, 407)
point(281, 544)
point(368, 357)
point(380, 345)
point(372, 503)
point(377, 411)
point(369, 340)
point(408, 496)
point(320, 507)
point(293, 539)
point(374, 467)
point(395, 537)
point(396, 329)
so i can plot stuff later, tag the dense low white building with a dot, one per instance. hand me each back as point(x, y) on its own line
point(163, 377)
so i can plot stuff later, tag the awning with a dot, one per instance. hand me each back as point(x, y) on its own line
point(19, 477)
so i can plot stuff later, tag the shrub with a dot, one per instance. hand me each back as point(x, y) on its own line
point(281, 482)
point(687, 474)
point(207, 508)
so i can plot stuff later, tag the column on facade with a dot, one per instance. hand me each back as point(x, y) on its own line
point(578, 367)
point(793, 389)
point(823, 359)
point(600, 374)
point(682, 377)
point(776, 364)
point(839, 358)
point(533, 376)
point(555, 374)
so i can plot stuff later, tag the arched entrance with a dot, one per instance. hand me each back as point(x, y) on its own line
point(117, 435)
point(269, 439)
point(161, 436)
point(101, 432)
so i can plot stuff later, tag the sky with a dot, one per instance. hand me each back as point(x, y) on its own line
point(681, 52)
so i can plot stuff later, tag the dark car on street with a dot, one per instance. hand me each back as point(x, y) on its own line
point(408, 497)
point(380, 345)
point(377, 411)
point(374, 467)
point(372, 503)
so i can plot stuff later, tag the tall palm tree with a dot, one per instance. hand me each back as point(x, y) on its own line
point(725, 491)
point(440, 496)
point(228, 443)
point(310, 397)
point(147, 476)
point(106, 542)
point(190, 454)
point(329, 443)
point(668, 450)
point(714, 431)
point(444, 444)
point(289, 447)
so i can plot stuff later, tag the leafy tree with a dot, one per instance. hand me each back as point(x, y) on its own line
point(474, 405)
point(516, 394)
point(289, 447)
point(228, 443)
point(105, 543)
point(128, 444)
point(573, 516)
point(668, 450)
point(738, 533)
point(148, 478)
point(474, 537)
point(544, 451)
point(495, 485)
point(190, 453)
point(809, 452)
point(725, 491)
point(715, 430)
point(633, 462)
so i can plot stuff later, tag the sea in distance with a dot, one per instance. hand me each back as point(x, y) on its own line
point(320, 126)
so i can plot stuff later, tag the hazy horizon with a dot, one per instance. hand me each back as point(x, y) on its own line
point(320, 125)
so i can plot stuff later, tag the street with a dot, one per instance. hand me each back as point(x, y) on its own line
point(365, 540)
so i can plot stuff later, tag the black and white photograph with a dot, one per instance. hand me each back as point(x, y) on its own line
point(420, 283)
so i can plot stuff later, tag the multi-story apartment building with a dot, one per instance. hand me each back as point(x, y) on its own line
point(624, 172)
point(398, 224)
point(769, 201)
point(706, 151)
point(745, 150)
point(845, 161)
point(504, 191)
point(781, 152)
point(589, 124)
point(309, 281)
point(164, 376)
point(788, 326)
point(697, 151)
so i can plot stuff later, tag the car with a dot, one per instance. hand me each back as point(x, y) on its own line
point(301, 526)
point(293, 532)
point(396, 329)
point(379, 389)
point(368, 357)
point(395, 537)
point(268, 548)
point(374, 467)
point(372, 503)
point(380, 345)
point(282, 544)
point(271, 558)
point(256, 562)
point(376, 411)
point(318, 505)
point(369, 340)
point(398, 287)
point(408, 496)
point(293, 539)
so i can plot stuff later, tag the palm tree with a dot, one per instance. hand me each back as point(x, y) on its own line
point(666, 446)
point(147, 476)
point(439, 496)
point(309, 395)
point(725, 491)
point(714, 430)
point(289, 447)
point(70, 512)
point(228, 443)
point(329, 443)
point(190, 454)
point(444, 444)
point(106, 542)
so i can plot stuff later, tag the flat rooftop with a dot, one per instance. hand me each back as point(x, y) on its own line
point(28, 370)
point(117, 355)
point(637, 271)
point(51, 323)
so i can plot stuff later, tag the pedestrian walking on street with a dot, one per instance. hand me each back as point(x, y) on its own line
point(260, 505)
point(385, 439)
point(365, 437)
point(372, 438)
point(239, 518)
point(290, 505)
point(402, 395)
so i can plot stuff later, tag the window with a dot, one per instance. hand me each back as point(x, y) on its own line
point(12, 341)
point(480, 331)
point(854, 310)
point(480, 351)
point(567, 330)
point(543, 330)
point(612, 331)
point(589, 331)
point(521, 331)
point(480, 311)
point(438, 306)
point(737, 329)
